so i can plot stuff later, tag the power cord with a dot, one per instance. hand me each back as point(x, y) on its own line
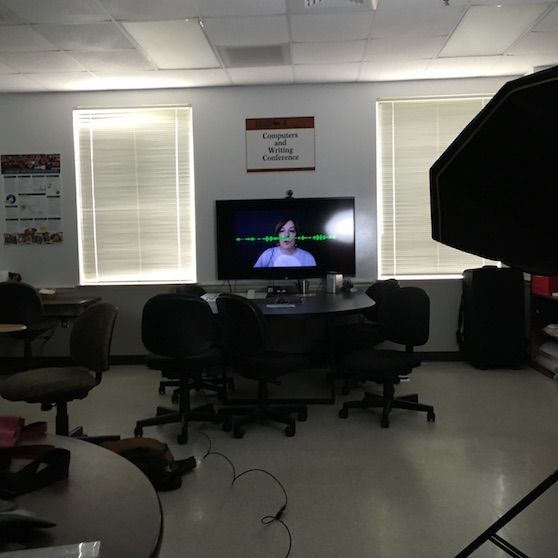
point(268, 519)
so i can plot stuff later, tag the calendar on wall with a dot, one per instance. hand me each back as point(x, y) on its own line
point(32, 188)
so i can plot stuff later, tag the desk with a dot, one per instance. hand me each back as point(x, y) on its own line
point(67, 307)
point(104, 498)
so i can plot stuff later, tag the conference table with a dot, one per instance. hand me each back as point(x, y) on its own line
point(331, 307)
point(104, 498)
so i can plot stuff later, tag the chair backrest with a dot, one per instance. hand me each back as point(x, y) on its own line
point(404, 316)
point(20, 303)
point(377, 291)
point(177, 325)
point(91, 337)
point(243, 325)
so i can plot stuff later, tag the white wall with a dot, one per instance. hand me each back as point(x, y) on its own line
point(345, 135)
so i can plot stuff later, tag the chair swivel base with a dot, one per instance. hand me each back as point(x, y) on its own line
point(372, 400)
point(250, 415)
point(204, 413)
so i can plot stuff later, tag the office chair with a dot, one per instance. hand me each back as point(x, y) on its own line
point(403, 318)
point(21, 303)
point(180, 331)
point(245, 346)
point(205, 379)
point(363, 333)
point(90, 342)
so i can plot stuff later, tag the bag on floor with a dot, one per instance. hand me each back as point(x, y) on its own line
point(155, 459)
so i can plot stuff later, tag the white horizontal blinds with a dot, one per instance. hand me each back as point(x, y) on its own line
point(412, 134)
point(135, 195)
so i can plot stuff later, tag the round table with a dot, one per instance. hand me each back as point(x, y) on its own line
point(105, 498)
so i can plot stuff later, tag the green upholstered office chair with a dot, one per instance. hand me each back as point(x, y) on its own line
point(245, 345)
point(180, 332)
point(90, 343)
point(21, 303)
point(404, 319)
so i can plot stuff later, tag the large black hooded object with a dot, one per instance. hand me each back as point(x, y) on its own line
point(494, 191)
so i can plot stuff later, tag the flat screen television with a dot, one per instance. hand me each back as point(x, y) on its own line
point(287, 238)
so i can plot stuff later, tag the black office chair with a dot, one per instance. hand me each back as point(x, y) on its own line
point(180, 331)
point(21, 303)
point(209, 379)
point(363, 333)
point(245, 346)
point(403, 318)
point(90, 343)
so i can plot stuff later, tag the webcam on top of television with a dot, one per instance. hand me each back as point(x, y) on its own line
point(289, 194)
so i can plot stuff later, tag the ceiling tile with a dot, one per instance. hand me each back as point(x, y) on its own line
point(26, 63)
point(336, 27)
point(112, 61)
point(7, 17)
point(327, 73)
point(195, 78)
point(257, 76)
point(536, 43)
point(150, 10)
point(21, 83)
point(57, 11)
point(22, 38)
point(87, 36)
point(74, 81)
point(228, 8)
point(338, 52)
point(131, 80)
point(174, 45)
point(412, 46)
point(386, 70)
point(245, 31)
point(330, 6)
point(447, 68)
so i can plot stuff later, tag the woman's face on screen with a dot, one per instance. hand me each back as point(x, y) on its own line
point(287, 236)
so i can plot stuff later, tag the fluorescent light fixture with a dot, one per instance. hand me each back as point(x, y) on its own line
point(174, 45)
point(491, 30)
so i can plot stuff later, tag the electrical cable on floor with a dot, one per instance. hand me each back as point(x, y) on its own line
point(268, 519)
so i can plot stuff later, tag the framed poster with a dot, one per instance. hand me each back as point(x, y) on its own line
point(32, 199)
point(280, 144)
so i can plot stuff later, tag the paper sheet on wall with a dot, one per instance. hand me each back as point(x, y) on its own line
point(32, 189)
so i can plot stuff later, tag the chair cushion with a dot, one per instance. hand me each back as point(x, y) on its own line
point(377, 364)
point(183, 366)
point(269, 365)
point(48, 385)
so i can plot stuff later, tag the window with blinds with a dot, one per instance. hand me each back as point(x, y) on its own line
point(135, 195)
point(412, 134)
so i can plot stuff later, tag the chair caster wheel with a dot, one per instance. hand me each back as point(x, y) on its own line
point(385, 422)
point(290, 430)
point(343, 413)
point(431, 417)
point(162, 390)
point(238, 432)
point(182, 438)
point(302, 415)
point(174, 398)
point(138, 432)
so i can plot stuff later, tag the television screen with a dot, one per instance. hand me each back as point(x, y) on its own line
point(288, 238)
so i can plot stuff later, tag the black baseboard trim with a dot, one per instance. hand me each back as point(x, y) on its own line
point(14, 364)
